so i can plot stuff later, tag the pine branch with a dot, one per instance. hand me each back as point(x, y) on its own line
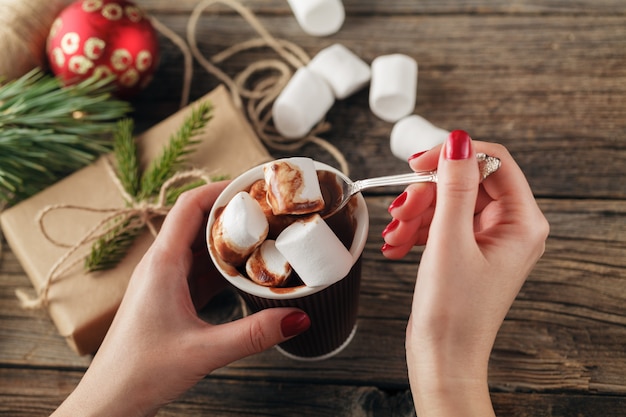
point(109, 250)
point(125, 149)
point(48, 131)
point(173, 155)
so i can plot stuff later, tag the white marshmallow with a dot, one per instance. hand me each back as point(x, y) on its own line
point(414, 134)
point(241, 227)
point(314, 252)
point(393, 87)
point(344, 71)
point(267, 266)
point(303, 102)
point(318, 17)
point(293, 186)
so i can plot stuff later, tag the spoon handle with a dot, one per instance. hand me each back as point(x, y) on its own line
point(402, 179)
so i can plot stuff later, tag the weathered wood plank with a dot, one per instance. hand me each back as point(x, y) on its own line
point(587, 7)
point(551, 88)
point(565, 330)
point(37, 392)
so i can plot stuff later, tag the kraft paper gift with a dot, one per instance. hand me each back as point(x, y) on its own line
point(82, 305)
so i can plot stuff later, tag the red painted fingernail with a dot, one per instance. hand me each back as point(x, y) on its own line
point(393, 225)
point(398, 201)
point(294, 323)
point(385, 247)
point(458, 145)
point(416, 155)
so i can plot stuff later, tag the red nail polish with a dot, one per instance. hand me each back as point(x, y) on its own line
point(398, 201)
point(385, 247)
point(416, 155)
point(458, 145)
point(294, 323)
point(393, 225)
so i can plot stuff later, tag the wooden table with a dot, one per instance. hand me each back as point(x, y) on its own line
point(547, 78)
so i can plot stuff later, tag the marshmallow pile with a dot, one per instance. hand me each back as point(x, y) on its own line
point(288, 198)
point(336, 73)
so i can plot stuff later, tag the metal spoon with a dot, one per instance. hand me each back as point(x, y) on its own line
point(486, 164)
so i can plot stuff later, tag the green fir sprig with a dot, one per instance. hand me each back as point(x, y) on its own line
point(174, 155)
point(48, 131)
point(108, 250)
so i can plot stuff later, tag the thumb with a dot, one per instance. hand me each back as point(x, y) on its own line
point(457, 189)
point(254, 334)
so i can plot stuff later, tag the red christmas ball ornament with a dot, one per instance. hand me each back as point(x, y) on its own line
point(104, 38)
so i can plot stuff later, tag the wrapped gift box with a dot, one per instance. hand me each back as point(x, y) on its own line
point(82, 305)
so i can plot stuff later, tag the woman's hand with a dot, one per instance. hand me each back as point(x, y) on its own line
point(157, 346)
point(481, 243)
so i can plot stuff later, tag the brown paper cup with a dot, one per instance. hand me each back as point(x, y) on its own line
point(332, 309)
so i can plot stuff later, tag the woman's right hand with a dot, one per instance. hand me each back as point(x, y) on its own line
point(482, 241)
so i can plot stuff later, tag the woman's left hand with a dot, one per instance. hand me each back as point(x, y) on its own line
point(157, 346)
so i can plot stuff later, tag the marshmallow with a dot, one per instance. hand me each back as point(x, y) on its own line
point(267, 266)
point(344, 72)
point(393, 87)
point(315, 252)
point(240, 228)
point(414, 134)
point(303, 102)
point(318, 17)
point(292, 186)
point(277, 223)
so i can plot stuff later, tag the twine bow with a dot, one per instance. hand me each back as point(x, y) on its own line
point(135, 216)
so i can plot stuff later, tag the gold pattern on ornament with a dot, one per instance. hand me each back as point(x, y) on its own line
point(58, 57)
point(91, 6)
point(129, 78)
point(121, 59)
point(70, 42)
point(133, 13)
point(79, 64)
point(94, 48)
point(143, 60)
point(56, 26)
point(113, 11)
point(102, 72)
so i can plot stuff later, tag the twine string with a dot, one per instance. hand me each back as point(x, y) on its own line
point(260, 96)
point(136, 215)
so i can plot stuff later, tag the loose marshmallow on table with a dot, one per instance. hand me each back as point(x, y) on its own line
point(344, 71)
point(240, 228)
point(315, 252)
point(318, 17)
point(267, 266)
point(393, 87)
point(414, 134)
point(293, 186)
point(304, 101)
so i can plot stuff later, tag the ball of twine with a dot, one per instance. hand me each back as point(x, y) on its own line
point(24, 27)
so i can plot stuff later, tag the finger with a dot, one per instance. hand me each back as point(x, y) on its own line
point(185, 219)
point(510, 182)
point(398, 251)
point(252, 334)
point(416, 199)
point(399, 233)
point(426, 161)
point(457, 190)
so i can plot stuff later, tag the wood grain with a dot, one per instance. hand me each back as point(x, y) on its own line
point(545, 78)
point(550, 88)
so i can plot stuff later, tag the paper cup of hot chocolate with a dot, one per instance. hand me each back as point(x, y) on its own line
point(332, 307)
